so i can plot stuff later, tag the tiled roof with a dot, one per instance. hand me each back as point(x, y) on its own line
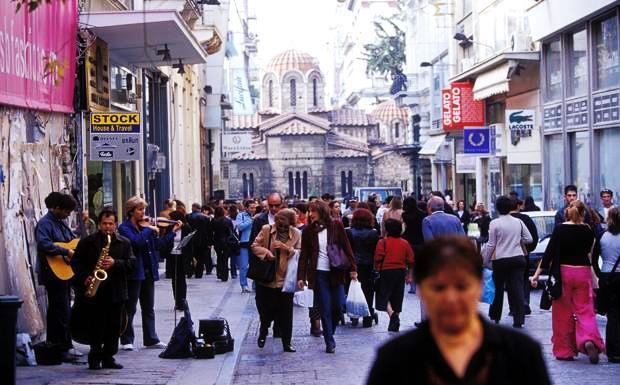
point(350, 117)
point(279, 120)
point(296, 127)
point(256, 154)
point(387, 112)
point(292, 60)
point(345, 153)
point(244, 122)
point(347, 142)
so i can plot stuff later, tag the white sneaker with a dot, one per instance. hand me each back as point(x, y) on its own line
point(74, 352)
point(127, 347)
point(159, 345)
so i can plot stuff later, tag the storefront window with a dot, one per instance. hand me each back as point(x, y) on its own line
point(609, 177)
point(578, 63)
point(580, 164)
point(553, 67)
point(607, 53)
point(526, 180)
point(554, 159)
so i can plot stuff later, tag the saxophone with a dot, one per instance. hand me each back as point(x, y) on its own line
point(99, 275)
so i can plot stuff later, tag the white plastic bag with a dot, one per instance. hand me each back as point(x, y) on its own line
point(290, 280)
point(304, 298)
point(24, 353)
point(356, 301)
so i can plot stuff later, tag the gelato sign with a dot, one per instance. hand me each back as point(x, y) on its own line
point(458, 107)
point(520, 124)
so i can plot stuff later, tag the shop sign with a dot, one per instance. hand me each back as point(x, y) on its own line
point(458, 107)
point(37, 55)
point(237, 142)
point(115, 136)
point(477, 140)
point(465, 164)
point(520, 124)
point(97, 76)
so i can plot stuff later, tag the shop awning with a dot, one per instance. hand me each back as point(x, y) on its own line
point(493, 82)
point(432, 144)
point(133, 37)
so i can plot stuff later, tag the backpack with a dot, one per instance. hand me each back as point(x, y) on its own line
point(232, 243)
point(182, 340)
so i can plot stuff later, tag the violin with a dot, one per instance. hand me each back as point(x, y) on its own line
point(158, 221)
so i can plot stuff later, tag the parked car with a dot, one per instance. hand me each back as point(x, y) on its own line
point(545, 222)
point(362, 193)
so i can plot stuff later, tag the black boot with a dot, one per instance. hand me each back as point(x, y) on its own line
point(262, 336)
point(367, 322)
point(93, 363)
point(394, 325)
point(111, 364)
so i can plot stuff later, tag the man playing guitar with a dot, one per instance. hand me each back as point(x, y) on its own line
point(50, 229)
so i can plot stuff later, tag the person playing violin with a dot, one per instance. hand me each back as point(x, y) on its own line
point(50, 229)
point(146, 243)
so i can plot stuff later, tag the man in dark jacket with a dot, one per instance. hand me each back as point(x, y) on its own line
point(531, 226)
point(50, 230)
point(570, 195)
point(102, 312)
point(203, 240)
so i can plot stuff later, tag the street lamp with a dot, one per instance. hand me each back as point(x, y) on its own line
point(464, 40)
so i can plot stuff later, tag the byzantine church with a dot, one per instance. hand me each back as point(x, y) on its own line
point(301, 149)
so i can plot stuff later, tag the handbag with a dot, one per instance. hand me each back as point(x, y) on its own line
point(262, 270)
point(607, 284)
point(337, 258)
point(545, 297)
point(232, 243)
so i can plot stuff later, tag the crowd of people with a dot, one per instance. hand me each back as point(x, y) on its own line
point(383, 245)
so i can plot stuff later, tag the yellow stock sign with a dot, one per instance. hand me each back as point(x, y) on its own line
point(121, 122)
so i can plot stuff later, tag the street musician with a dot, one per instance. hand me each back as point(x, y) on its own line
point(102, 263)
point(54, 271)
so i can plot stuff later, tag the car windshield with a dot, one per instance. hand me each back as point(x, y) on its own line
point(544, 225)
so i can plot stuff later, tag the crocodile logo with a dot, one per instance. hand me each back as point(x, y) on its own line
point(516, 117)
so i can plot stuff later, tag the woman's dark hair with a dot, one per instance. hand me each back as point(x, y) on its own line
point(322, 209)
point(459, 203)
point(613, 221)
point(107, 212)
point(447, 251)
point(364, 205)
point(362, 219)
point(504, 205)
point(59, 200)
point(233, 211)
point(179, 203)
point(423, 206)
point(219, 212)
point(177, 216)
point(302, 207)
point(530, 205)
point(410, 204)
point(393, 227)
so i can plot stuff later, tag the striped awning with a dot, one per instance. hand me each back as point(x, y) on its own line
point(493, 82)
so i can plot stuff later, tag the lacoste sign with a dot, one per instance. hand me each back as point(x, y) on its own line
point(520, 123)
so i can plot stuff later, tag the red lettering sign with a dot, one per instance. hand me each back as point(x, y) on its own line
point(459, 109)
point(35, 47)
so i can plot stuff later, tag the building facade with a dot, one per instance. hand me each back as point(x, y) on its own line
point(580, 93)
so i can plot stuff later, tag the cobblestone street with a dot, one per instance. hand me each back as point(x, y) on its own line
point(356, 350)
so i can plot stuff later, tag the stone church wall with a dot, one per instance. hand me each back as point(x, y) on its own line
point(392, 169)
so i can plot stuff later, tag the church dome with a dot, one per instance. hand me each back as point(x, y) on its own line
point(388, 111)
point(292, 60)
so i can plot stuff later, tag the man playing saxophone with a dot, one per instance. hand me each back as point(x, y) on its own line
point(102, 262)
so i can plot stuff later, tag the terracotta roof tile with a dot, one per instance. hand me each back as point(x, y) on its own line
point(244, 122)
point(387, 112)
point(350, 117)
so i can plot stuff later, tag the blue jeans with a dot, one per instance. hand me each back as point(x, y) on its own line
point(329, 301)
point(243, 262)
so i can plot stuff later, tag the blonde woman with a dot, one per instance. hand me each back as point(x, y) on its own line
point(394, 212)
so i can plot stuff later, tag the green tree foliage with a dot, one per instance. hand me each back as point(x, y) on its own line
point(387, 55)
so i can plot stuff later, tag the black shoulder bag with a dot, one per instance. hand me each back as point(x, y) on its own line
point(607, 284)
point(262, 270)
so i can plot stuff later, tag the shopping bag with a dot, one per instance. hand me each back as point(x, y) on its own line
point(304, 298)
point(356, 301)
point(488, 286)
point(290, 280)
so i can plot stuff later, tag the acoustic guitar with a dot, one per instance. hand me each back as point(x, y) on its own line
point(61, 269)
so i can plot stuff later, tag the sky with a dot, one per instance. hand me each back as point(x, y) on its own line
point(300, 24)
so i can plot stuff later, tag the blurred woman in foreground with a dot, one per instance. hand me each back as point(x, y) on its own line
point(455, 345)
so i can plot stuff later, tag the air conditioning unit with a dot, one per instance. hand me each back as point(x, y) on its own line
point(521, 42)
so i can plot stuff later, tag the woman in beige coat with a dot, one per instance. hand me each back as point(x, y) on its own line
point(277, 242)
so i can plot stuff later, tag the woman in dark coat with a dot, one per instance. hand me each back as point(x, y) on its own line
point(455, 345)
point(222, 228)
point(315, 268)
point(363, 238)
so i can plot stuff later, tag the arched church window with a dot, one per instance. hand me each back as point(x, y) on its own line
point(396, 130)
point(315, 96)
point(350, 184)
point(304, 185)
point(270, 91)
point(293, 92)
point(251, 185)
point(343, 183)
point(291, 184)
point(245, 184)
